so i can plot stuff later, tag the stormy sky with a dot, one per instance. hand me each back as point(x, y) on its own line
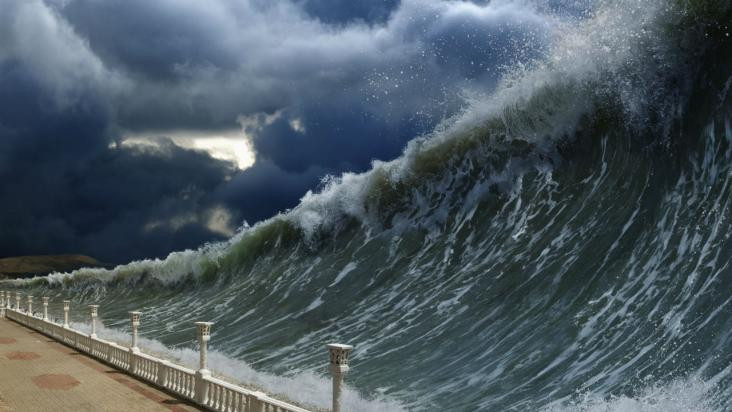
point(132, 128)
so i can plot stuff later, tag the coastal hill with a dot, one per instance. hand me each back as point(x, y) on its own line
point(28, 266)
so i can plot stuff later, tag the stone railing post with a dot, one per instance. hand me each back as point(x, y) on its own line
point(203, 329)
point(135, 323)
point(2, 304)
point(45, 308)
point(17, 301)
point(93, 312)
point(338, 368)
point(67, 305)
point(30, 305)
point(162, 378)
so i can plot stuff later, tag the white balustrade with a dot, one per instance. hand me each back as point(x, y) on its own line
point(199, 386)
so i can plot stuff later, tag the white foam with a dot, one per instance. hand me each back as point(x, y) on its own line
point(689, 395)
point(350, 267)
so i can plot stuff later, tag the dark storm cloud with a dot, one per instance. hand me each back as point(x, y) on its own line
point(344, 11)
point(64, 190)
point(193, 64)
point(318, 86)
point(265, 188)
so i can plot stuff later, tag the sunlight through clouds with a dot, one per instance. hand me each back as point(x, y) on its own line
point(231, 146)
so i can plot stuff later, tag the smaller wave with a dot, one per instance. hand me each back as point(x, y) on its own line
point(681, 395)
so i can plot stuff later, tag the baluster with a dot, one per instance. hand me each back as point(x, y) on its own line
point(186, 383)
point(222, 395)
point(163, 374)
point(216, 394)
point(240, 402)
point(211, 391)
point(257, 402)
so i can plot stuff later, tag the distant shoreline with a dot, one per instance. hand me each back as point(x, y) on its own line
point(22, 267)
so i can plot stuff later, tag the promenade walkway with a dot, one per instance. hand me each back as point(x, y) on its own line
point(40, 374)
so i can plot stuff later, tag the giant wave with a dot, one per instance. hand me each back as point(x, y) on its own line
point(563, 244)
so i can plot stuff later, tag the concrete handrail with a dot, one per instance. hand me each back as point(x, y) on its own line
point(198, 386)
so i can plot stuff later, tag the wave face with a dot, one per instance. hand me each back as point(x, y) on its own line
point(564, 244)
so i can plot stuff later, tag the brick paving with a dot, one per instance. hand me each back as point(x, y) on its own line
point(40, 374)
